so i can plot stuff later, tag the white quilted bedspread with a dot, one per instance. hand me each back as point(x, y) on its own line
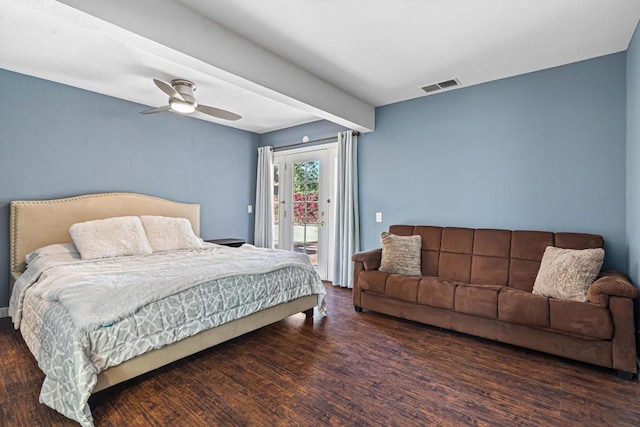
point(82, 317)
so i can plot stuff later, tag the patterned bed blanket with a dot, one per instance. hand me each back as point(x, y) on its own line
point(76, 329)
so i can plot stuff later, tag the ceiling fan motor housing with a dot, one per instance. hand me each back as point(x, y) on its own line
point(186, 89)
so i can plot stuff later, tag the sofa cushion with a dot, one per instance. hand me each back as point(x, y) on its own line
point(522, 274)
point(521, 307)
point(455, 254)
point(402, 287)
point(431, 239)
point(431, 236)
point(530, 245)
point(457, 240)
point(455, 267)
point(401, 254)
point(373, 281)
point(527, 248)
point(489, 270)
point(402, 230)
point(495, 243)
point(436, 292)
point(567, 273)
point(480, 300)
point(430, 261)
point(580, 318)
point(578, 241)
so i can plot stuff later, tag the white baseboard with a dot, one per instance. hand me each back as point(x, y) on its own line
point(4, 312)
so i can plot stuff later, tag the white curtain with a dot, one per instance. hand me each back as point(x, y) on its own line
point(347, 229)
point(263, 234)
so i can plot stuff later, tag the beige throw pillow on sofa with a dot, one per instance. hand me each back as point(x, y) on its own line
point(567, 273)
point(401, 254)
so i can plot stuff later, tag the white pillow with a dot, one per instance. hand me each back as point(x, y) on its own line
point(110, 237)
point(169, 234)
point(401, 254)
point(54, 249)
point(567, 273)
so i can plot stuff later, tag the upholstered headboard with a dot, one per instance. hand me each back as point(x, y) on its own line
point(35, 224)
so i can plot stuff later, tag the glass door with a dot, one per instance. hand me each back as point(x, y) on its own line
point(306, 215)
point(303, 189)
point(276, 202)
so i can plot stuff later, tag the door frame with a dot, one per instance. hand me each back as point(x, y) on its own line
point(326, 199)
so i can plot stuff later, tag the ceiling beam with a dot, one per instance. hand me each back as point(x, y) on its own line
point(157, 24)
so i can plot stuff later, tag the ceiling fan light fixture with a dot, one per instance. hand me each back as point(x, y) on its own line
point(182, 101)
point(182, 106)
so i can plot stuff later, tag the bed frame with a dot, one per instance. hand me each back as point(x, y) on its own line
point(35, 224)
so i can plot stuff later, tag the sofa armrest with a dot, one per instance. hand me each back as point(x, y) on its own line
point(370, 259)
point(610, 283)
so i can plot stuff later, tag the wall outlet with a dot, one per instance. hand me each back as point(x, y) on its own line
point(250, 209)
point(378, 216)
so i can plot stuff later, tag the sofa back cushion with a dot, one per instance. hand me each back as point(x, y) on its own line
point(527, 248)
point(489, 256)
point(456, 248)
point(491, 251)
point(431, 238)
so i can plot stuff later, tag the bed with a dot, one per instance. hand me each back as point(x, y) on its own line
point(83, 355)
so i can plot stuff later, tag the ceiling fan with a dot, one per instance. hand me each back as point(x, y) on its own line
point(182, 100)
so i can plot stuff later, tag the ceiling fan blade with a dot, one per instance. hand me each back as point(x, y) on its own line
point(156, 110)
point(217, 112)
point(168, 89)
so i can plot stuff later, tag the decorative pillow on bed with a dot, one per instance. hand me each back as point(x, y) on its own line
point(110, 237)
point(169, 234)
point(568, 273)
point(401, 254)
point(55, 249)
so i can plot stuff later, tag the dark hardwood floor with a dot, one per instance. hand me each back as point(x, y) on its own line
point(345, 369)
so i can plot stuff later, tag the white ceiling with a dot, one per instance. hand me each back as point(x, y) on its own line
point(279, 63)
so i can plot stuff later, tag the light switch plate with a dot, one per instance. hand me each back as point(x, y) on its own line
point(250, 209)
point(378, 216)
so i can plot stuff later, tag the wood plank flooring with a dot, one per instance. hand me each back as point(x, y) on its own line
point(345, 369)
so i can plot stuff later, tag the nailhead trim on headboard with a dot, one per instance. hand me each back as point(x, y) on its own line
point(14, 233)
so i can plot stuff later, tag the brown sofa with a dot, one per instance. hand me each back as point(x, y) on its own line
point(479, 282)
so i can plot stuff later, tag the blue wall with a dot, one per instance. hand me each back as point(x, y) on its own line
point(541, 151)
point(58, 141)
point(633, 156)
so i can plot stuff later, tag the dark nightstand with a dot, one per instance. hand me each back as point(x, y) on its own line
point(234, 243)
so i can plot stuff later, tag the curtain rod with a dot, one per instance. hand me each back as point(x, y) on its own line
point(329, 138)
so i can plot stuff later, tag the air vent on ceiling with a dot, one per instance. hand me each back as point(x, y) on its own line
point(447, 84)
